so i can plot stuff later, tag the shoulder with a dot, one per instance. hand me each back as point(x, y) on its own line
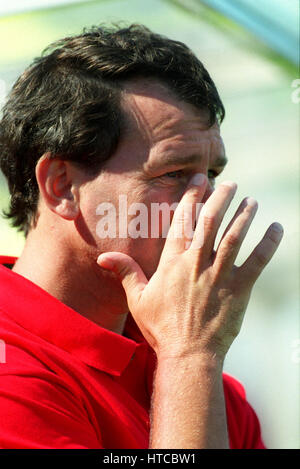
point(40, 408)
point(41, 403)
point(243, 424)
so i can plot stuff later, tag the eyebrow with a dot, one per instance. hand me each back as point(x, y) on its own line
point(171, 160)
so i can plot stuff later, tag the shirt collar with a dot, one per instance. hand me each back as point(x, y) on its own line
point(42, 314)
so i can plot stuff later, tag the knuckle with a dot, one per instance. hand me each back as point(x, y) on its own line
point(121, 270)
point(209, 221)
point(231, 240)
point(195, 191)
point(273, 238)
point(179, 218)
point(261, 258)
point(248, 211)
point(194, 194)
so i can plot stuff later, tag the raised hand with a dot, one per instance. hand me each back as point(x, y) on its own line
point(196, 299)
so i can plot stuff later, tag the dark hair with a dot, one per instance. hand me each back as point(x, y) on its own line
point(68, 102)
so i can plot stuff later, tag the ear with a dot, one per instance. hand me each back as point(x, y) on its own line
point(57, 186)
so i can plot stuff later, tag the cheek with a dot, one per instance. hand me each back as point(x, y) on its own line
point(100, 198)
point(143, 231)
point(146, 252)
point(92, 195)
point(160, 206)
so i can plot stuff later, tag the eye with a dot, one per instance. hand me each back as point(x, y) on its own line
point(212, 174)
point(176, 174)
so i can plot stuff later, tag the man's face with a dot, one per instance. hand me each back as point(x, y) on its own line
point(166, 143)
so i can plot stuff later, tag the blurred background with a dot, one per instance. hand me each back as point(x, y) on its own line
point(251, 50)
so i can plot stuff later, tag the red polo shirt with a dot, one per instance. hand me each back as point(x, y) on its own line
point(67, 383)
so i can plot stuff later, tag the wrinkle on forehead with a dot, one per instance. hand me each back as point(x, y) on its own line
point(183, 150)
point(161, 127)
point(158, 113)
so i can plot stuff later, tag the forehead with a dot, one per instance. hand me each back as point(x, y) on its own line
point(158, 112)
point(159, 126)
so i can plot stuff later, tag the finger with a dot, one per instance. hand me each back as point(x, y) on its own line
point(250, 270)
point(234, 235)
point(184, 215)
point(129, 272)
point(211, 217)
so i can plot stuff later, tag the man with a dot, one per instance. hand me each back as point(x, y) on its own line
point(116, 336)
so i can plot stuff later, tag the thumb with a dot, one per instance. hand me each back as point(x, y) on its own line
point(129, 272)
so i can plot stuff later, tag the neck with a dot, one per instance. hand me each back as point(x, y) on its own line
point(73, 277)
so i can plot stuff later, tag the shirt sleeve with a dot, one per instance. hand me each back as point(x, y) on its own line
point(243, 424)
point(36, 414)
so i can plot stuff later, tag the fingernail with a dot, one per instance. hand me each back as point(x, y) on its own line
point(198, 179)
point(231, 184)
point(277, 227)
point(104, 262)
point(251, 202)
point(276, 232)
